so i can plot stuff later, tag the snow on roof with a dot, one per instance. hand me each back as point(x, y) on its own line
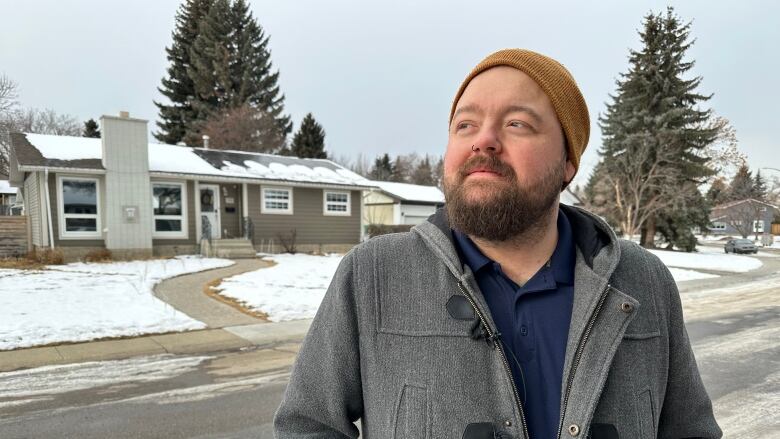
point(5, 188)
point(199, 161)
point(411, 192)
point(66, 147)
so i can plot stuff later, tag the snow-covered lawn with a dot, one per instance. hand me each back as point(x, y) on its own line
point(85, 301)
point(708, 261)
point(681, 275)
point(291, 290)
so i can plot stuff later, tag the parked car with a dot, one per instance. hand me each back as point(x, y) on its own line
point(740, 246)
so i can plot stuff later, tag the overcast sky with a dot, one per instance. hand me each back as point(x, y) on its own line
point(380, 76)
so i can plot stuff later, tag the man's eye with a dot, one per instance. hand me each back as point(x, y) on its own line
point(463, 125)
point(517, 124)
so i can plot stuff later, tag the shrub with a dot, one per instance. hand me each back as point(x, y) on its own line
point(46, 256)
point(98, 255)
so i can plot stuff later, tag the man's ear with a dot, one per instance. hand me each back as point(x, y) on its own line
point(569, 173)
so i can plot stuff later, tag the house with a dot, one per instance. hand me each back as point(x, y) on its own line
point(8, 199)
point(409, 204)
point(140, 199)
point(743, 218)
point(400, 203)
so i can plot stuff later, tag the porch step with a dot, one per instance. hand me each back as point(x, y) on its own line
point(232, 249)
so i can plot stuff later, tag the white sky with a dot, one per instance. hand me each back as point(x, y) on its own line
point(379, 76)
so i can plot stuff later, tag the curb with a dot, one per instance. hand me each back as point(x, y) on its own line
point(180, 343)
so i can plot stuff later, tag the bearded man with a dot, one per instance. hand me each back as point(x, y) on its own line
point(506, 314)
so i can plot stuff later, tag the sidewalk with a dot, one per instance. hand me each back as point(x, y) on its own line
point(192, 342)
point(228, 329)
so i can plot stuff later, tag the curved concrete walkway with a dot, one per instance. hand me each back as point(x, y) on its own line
point(185, 293)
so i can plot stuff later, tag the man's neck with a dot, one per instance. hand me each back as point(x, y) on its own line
point(522, 256)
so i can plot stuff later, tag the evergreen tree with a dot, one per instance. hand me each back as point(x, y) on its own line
point(759, 187)
point(401, 169)
point(254, 80)
point(741, 187)
point(178, 87)
point(91, 129)
point(309, 140)
point(654, 132)
point(382, 169)
point(219, 62)
point(423, 173)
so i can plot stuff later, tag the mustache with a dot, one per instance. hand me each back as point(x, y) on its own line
point(487, 162)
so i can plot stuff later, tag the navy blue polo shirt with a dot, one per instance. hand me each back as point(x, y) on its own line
point(533, 320)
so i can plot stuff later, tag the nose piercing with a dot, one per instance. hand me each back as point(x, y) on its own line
point(474, 150)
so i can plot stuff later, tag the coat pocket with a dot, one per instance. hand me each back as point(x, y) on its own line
point(411, 413)
point(646, 415)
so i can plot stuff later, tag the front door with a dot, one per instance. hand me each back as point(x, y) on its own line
point(209, 208)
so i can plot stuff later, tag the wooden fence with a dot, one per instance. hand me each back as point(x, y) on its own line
point(14, 240)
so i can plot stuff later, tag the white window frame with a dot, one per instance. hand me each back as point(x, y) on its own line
point(758, 226)
point(62, 216)
point(184, 233)
point(325, 203)
point(274, 211)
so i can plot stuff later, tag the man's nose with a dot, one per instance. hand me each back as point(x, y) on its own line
point(487, 141)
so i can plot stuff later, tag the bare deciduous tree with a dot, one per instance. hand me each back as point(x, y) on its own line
point(244, 129)
point(741, 215)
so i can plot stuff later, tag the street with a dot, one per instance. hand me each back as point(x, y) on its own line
point(734, 325)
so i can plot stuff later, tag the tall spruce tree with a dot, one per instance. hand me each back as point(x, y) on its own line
point(175, 118)
point(309, 140)
point(759, 187)
point(741, 187)
point(220, 61)
point(655, 134)
point(91, 129)
point(423, 173)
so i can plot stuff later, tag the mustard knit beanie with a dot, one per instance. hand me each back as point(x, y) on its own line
point(556, 82)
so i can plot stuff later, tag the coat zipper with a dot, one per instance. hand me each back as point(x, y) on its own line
point(578, 355)
point(497, 345)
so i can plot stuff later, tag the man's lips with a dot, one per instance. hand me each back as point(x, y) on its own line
point(483, 171)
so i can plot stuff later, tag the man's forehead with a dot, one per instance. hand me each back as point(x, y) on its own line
point(478, 109)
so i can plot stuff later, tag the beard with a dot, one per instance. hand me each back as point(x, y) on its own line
point(504, 210)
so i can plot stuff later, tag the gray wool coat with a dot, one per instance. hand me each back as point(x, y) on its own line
point(405, 343)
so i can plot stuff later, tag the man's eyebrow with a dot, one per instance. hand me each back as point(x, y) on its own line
point(466, 109)
point(523, 109)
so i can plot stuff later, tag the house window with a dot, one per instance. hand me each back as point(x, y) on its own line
point(277, 200)
point(336, 203)
point(758, 226)
point(718, 226)
point(79, 207)
point(169, 207)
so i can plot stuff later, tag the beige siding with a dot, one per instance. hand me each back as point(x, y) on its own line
point(191, 235)
point(125, 158)
point(32, 208)
point(378, 214)
point(311, 226)
point(55, 213)
point(230, 220)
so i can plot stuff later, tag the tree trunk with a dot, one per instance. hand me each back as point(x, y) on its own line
point(648, 234)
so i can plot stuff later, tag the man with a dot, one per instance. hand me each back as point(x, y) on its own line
point(505, 314)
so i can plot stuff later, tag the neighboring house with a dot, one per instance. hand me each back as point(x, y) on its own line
point(403, 203)
point(400, 203)
point(140, 199)
point(743, 218)
point(8, 199)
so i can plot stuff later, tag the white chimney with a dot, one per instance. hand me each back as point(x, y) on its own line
point(206, 141)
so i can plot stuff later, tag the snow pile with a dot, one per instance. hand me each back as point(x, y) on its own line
point(81, 302)
point(291, 290)
point(712, 261)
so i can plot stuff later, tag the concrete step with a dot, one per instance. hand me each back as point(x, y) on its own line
point(235, 248)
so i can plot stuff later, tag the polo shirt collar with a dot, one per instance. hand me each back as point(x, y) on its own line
point(561, 263)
